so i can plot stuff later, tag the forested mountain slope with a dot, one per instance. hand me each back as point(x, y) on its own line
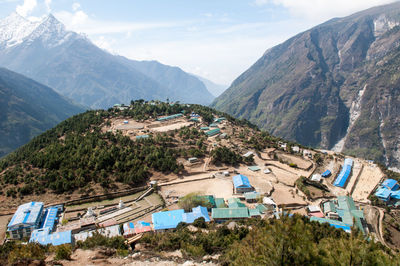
point(27, 109)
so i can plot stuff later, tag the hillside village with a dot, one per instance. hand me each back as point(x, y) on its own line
point(270, 182)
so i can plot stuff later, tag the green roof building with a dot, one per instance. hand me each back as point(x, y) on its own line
point(209, 200)
point(261, 208)
point(213, 132)
point(223, 214)
point(220, 203)
point(349, 213)
point(252, 196)
point(235, 203)
point(254, 212)
point(254, 168)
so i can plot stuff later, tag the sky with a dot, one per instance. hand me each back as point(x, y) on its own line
point(215, 39)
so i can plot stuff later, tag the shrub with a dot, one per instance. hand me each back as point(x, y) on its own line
point(63, 252)
point(200, 222)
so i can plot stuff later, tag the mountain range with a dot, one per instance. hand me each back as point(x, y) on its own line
point(27, 109)
point(335, 86)
point(76, 68)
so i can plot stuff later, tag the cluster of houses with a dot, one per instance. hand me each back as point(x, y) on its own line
point(340, 213)
point(389, 192)
point(39, 224)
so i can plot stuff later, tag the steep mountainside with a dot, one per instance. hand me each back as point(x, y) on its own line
point(27, 109)
point(333, 86)
point(76, 68)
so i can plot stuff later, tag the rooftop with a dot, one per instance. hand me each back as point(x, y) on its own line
point(229, 213)
point(43, 237)
point(167, 219)
point(27, 214)
point(241, 181)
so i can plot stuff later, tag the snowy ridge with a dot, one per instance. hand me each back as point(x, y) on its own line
point(16, 29)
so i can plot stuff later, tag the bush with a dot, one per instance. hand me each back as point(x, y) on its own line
point(63, 252)
point(200, 222)
point(98, 240)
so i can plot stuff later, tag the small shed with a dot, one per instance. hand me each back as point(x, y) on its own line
point(254, 168)
point(312, 208)
point(267, 171)
point(325, 174)
point(269, 202)
point(296, 149)
point(142, 137)
point(248, 154)
point(193, 160)
point(316, 178)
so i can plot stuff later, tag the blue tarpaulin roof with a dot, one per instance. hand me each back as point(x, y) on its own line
point(167, 220)
point(43, 237)
point(326, 173)
point(389, 183)
point(344, 174)
point(334, 223)
point(241, 181)
point(197, 212)
point(383, 193)
point(395, 194)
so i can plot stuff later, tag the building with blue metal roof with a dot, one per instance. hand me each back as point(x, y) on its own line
point(334, 223)
point(241, 184)
point(44, 237)
point(389, 189)
point(50, 217)
point(167, 219)
point(327, 173)
point(26, 219)
point(196, 213)
point(344, 174)
point(390, 184)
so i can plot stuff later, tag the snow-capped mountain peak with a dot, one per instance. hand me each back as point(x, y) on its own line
point(14, 29)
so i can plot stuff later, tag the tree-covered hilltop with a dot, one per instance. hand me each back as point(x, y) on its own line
point(77, 152)
point(288, 241)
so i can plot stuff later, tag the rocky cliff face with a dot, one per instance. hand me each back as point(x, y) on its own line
point(333, 86)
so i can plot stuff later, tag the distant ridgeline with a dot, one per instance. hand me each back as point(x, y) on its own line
point(77, 152)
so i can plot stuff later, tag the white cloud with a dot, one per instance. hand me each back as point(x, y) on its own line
point(26, 8)
point(76, 6)
point(318, 10)
point(261, 2)
point(79, 21)
point(47, 3)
